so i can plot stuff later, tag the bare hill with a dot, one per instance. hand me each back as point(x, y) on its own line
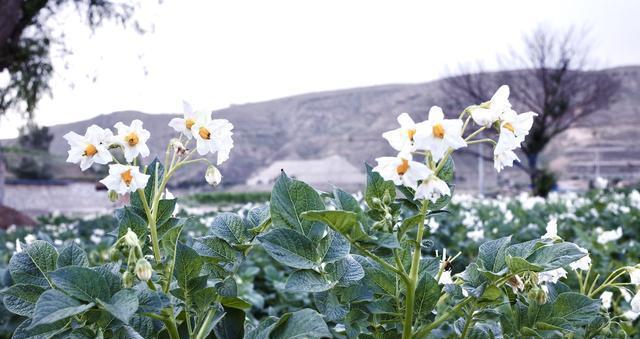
point(349, 123)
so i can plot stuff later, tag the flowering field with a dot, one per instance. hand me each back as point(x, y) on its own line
point(407, 258)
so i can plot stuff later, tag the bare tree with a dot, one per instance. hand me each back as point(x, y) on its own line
point(25, 43)
point(550, 77)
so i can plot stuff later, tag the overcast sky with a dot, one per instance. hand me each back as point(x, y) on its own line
point(217, 53)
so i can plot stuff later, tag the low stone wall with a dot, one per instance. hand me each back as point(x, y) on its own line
point(67, 198)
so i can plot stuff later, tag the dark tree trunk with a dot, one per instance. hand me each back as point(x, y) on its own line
point(2, 175)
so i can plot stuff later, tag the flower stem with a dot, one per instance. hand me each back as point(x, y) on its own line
point(407, 327)
point(202, 331)
point(422, 332)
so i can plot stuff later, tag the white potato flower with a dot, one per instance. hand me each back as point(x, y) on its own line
point(635, 303)
point(125, 179)
point(503, 153)
point(583, 263)
point(445, 272)
point(601, 183)
point(552, 229)
point(183, 125)
point(439, 134)
point(402, 170)
point(516, 124)
point(91, 148)
point(476, 235)
point(608, 236)
point(606, 297)
point(402, 139)
point(432, 188)
point(552, 276)
point(634, 275)
point(491, 111)
point(133, 139)
point(213, 135)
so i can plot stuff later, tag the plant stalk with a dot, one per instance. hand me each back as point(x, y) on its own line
point(407, 327)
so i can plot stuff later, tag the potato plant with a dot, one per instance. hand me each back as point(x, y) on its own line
point(367, 268)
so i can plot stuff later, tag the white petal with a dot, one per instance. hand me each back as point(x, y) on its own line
point(405, 120)
point(435, 114)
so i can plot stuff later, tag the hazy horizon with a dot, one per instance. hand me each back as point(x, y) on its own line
point(202, 52)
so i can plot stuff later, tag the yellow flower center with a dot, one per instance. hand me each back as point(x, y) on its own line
point(438, 131)
point(509, 126)
point(204, 133)
point(132, 139)
point(90, 150)
point(189, 123)
point(126, 177)
point(411, 133)
point(403, 167)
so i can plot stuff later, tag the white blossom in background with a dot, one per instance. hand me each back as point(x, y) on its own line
point(608, 236)
point(583, 263)
point(402, 139)
point(489, 112)
point(552, 229)
point(552, 276)
point(133, 139)
point(91, 148)
point(213, 136)
point(432, 188)
point(402, 170)
point(124, 179)
point(445, 275)
point(432, 224)
point(606, 297)
point(476, 235)
point(439, 134)
point(600, 183)
point(29, 239)
point(635, 303)
point(634, 199)
point(189, 117)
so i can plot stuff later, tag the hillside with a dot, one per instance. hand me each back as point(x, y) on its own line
point(349, 123)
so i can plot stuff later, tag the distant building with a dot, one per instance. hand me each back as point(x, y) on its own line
point(320, 173)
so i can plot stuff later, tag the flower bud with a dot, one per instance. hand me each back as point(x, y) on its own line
point(114, 254)
point(213, 176)
point(538, 294)
point(386, 198)
point(127, 279)
point(113, 196)
point(178, 147)
point(376, 202)
point(131, 239)
point(143, 269)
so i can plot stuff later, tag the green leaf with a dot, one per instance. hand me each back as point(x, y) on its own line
point(81, 282)
point(346, 202)
point(305, 323)
point(26, 331)
point(257, 217)
point(188, 264)
point(73, 255)
point(111, 274)
point(169, 239)
point(333, 247)
point(21, 298)
point(308, 281)
point(216, 249)
point(345, 272)
point(289, 199)
point(343, 222)
point(329, 305)
point(32, 265)
point(491, 256)
point(556, 255)
point(235, 302)
point(377, 187)
point(263, 329)
point(53, 306)
point(231, 326)
point(427, 295)
point(378, 275)
point(517, 265)
point(290, 248)
point(128, 218)
point(165, 210)
point(447, 172)
point(575, 308)
point(122, 305)
point(230, 227)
